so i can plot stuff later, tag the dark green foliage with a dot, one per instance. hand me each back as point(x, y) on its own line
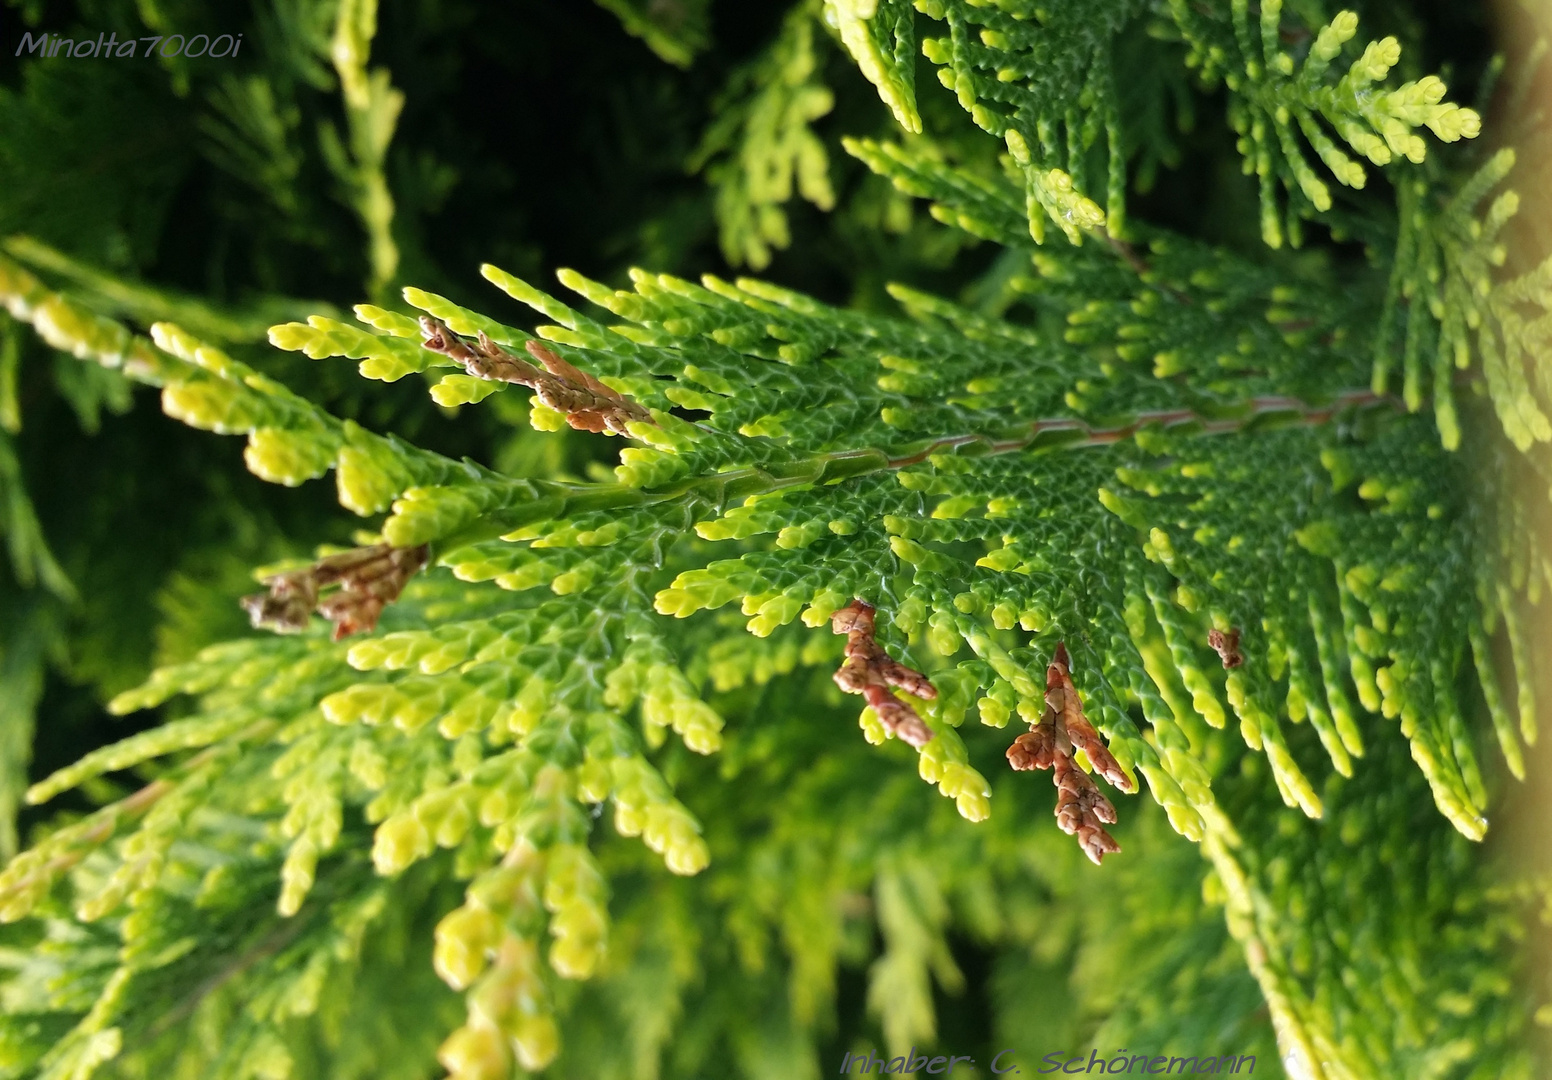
point(1181, 460)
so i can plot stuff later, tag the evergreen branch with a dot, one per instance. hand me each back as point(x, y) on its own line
point(148, 304)
point(1072, 433)
point(674, 29)
point(372, 108)
point(1324, 573)
point(1272, 96)
point(28, 877)
point(881, 37)
point(1442, 298)
point(32, 634)
point(761, 144)
point(1044, 82)
point(32, 562)
point(1041, 80)
point(275, 941)
point(559, 500)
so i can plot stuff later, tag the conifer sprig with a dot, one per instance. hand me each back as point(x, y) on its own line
point(676, 31)
point(761, 149)
point(1274, 94)
point(358, 161)
point(1043, 80)
point(455, 510)
point(1171, 487)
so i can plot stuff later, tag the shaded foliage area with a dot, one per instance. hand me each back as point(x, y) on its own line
point(1128, 371)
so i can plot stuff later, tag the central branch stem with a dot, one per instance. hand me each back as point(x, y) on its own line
point(718, 489)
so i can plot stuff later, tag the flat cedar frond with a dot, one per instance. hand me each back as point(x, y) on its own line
point(1294, 615)
point(1052, 742)
point(588, 404)
point(368, 580)
point(870, 671)
point(674, 29)
point(848, 454)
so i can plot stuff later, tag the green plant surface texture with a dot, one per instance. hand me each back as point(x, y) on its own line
point(1230, 512)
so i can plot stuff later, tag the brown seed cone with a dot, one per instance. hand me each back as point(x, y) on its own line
point(855, 616)
point(912, 682)
point(870, 671)
point(1052, 743)
point(1097, 843)
point(1226, 646)
point(1062, 697)
point(1036, 748)
point(851, 676)
point(588, 404)
point(369, 579)
point(284, 609)
point(1083, 811)
point(898, 717)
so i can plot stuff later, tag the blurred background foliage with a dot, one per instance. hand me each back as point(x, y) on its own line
point(679, 135)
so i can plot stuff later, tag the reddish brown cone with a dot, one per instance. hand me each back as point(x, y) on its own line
point(870, 671)
point(589, 405)
point(1052, 743)
point(369, 579)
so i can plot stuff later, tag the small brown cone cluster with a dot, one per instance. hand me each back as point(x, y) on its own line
point(369, 579)
point(1081, 809)
point(868, 670)
point(1226, 646)
point(588, 404)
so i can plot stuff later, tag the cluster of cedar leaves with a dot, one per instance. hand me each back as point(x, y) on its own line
point(845, 904)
